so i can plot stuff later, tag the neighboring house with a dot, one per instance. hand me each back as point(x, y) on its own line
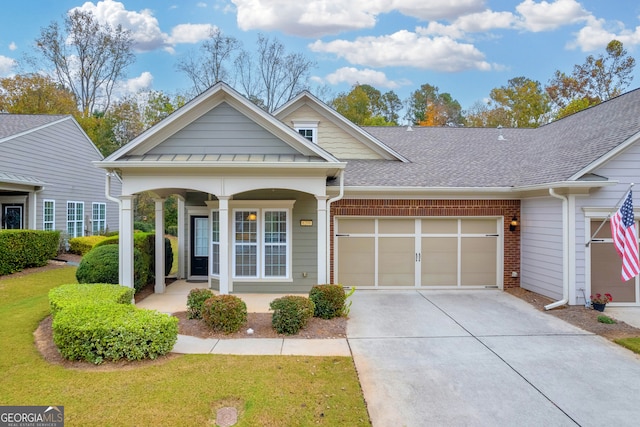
point(278, 203)
point(47, 179)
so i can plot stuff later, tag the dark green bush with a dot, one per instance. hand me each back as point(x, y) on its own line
point(100, 265)
point(20, 249)
point(110, 240)
point(145, 243)
point(195, 302)
point(64, 296)
point(328, 299)
point(225, 313)
point(291, 313)
point(172, 230)
point(99, 332)
point(145, 227)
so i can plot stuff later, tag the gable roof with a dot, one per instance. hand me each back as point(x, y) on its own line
point(144, 150)
point(367, 139)
point(567, 150)
point(12, 125)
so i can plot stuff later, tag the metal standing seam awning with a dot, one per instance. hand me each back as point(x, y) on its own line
point(10, 181)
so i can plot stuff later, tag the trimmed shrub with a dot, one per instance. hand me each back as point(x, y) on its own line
point(20, 249)
point(99, 332)
point(328, 299)
point(291, 313)
point(145, 243)
point(110, 240)
point(82, 245)
point(225, 313)
point(64, 296)
point(100, 265)
point(195, 302)
point(145, 227)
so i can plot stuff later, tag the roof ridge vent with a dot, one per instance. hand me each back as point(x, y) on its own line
point(409, 128)
point(500, 136)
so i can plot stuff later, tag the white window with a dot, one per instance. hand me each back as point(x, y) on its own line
point(215, 243)
point(308, 129)
point(49, 215)
point(261, 243)
point(99, 218)
point(75, 219)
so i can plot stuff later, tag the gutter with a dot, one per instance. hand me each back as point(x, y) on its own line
point(565, 252)
point(329, 202)
point(107, 189)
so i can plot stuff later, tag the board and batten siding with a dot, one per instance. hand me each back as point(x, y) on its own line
point(331, 137)
point(223, 130)
point(61, 156)
point(541, 246)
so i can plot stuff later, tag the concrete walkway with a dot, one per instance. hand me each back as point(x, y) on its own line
point(175, 300)
point(485, 358)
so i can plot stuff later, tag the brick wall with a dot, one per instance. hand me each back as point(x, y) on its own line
point(455, 208)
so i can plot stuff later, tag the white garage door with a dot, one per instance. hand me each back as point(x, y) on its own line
point(419, 252)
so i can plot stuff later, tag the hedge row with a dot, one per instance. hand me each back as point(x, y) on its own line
point(96, 325)
point(20, 249)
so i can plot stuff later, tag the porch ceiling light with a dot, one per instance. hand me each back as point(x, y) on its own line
point(513, 224)
point(251, 217)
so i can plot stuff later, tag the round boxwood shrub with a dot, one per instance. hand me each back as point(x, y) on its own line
point(99, 332)
point(100, 265)
point(195, 302)
point(291, 313)
point(225, 313)
point(328, 299)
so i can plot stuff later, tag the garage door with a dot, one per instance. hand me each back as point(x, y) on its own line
point(418, 252)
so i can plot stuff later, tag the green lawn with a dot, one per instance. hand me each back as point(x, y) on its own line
point(632, 344)
point(184, 391)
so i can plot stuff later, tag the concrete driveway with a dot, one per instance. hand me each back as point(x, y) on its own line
point(485, 358)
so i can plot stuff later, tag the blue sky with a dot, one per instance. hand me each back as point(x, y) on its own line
point(464, 47)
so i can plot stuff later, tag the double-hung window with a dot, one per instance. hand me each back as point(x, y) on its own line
point(49, 215)
point(75, 219)
point(261, 242)
point(99, 218)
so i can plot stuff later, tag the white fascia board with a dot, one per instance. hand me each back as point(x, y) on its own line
point(610, 155)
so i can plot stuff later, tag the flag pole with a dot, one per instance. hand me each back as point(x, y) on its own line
point(609, 215)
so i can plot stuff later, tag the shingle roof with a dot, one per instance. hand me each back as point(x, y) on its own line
point(478, 157)
point(12, 124)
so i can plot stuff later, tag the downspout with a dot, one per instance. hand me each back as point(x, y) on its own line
point(107, 194)
point(565, 252)
point(329, 235)
point(107, 189)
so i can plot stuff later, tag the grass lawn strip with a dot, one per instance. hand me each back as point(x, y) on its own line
point(182, 391)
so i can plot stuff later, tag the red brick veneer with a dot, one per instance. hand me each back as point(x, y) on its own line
point(455, 208)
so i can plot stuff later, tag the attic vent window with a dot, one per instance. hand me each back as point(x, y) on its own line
point(308, 129)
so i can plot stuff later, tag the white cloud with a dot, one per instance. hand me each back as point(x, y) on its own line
point(142, 82)
point(407, 49)
point(546, 16)
point(353, 75)
point(190, 33)
point(201, 4)
point(13, 46)
point(6, 65)
point(144, 27)
point(597, 33)
point(315, 18)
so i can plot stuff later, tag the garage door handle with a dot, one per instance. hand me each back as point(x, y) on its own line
point(491, 235)
point(418, 256)
point(342, 235)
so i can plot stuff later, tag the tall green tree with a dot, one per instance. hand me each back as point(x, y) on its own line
point(524, 102)
point(428, 107)
point(365, 106)
point(35, 94)
point(596, 80)
point(86, 57)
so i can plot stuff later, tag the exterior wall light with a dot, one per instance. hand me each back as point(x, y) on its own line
point(513, 224)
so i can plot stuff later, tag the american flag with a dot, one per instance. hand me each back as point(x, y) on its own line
point(623, 231)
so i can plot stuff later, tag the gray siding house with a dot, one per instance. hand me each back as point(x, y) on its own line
point(280, 202)
point(47, 179)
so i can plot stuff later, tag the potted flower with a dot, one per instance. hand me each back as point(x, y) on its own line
point(599, 301)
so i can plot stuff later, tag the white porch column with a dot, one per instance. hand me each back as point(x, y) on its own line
point(33, 211)
point(323, 268)
point(225, 279)
point(126, 277)
point(182, 238)
point(159, 285)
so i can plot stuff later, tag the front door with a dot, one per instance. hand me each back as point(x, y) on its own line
point(199, 247)
point(12, 217)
